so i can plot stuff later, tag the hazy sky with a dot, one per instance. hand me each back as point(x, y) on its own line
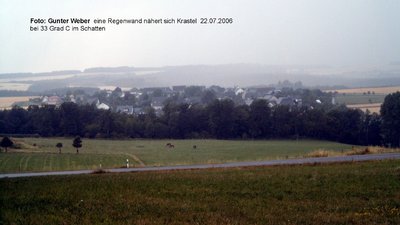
point(300, 32)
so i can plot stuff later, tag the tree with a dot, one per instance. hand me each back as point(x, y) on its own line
point(260, 119)
point(390, 112)
point(241, 124)
point(69, 121)
point(106, 123)
point(314, 124)
point(6, 142)
point(221, 118)
point(59, 146)
point(371, 129)
point(282, 122)
point(157, 93)
point(208, 96)
point(77, 143)
point(193, 91)
point(170, 118)
point(344, 125)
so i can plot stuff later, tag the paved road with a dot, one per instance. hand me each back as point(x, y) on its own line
point(224, 165)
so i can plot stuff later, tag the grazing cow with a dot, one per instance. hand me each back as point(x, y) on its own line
point(169, 145)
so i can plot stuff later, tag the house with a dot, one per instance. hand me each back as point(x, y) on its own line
point(248, 101)
point(259, 92)
point(179, 89)
point(288, 101)
point(239, 91)
point(52, 100)
point(157, 103)
point(192, 100)
point(137, 94)
point(270, 98)
point(79, 98)
point(166, 90)
point(157, 106)
point(298, 101)
point(149, 90)
point(102, 106)
point(158, 100)
point(138, 111)
point(45, 99)
point(92, 100)
point(127, 109)
point(217, 89)
point(35, 102)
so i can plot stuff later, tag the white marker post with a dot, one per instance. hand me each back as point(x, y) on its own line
point(127, 163)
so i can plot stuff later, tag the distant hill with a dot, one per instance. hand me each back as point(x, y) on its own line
point(226, 75)
point(14, 75)
point(121, 69)
point(53, 73)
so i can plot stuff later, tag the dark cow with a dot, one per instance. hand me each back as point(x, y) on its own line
point(169, 145)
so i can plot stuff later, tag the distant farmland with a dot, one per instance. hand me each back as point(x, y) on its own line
point(371, 102)
point(6, 102)
point(373, 108)
point(376, 90)
point(369, 98)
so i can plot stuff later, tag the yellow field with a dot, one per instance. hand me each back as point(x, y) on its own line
point(377, 90)
point(373, 108)
point(13, 86)
point(6, 102)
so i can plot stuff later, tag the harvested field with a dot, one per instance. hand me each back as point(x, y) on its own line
point(6, 102)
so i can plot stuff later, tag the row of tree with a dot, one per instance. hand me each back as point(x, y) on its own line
point(220, 119)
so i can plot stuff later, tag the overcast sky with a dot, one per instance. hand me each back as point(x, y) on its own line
point(272, 32)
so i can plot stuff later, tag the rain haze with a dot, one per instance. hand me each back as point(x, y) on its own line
point(302, 32)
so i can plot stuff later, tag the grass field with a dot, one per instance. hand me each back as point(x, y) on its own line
point(377, 90)
point(361, 101)
point(352, 99)
point(353, 193)
point(40, 154)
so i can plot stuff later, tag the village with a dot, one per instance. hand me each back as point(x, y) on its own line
point(137, 101)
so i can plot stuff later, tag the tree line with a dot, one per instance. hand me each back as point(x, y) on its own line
point(220, 119)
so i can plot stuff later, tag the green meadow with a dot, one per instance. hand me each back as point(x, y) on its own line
point(351, 99)
point(40, 154)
